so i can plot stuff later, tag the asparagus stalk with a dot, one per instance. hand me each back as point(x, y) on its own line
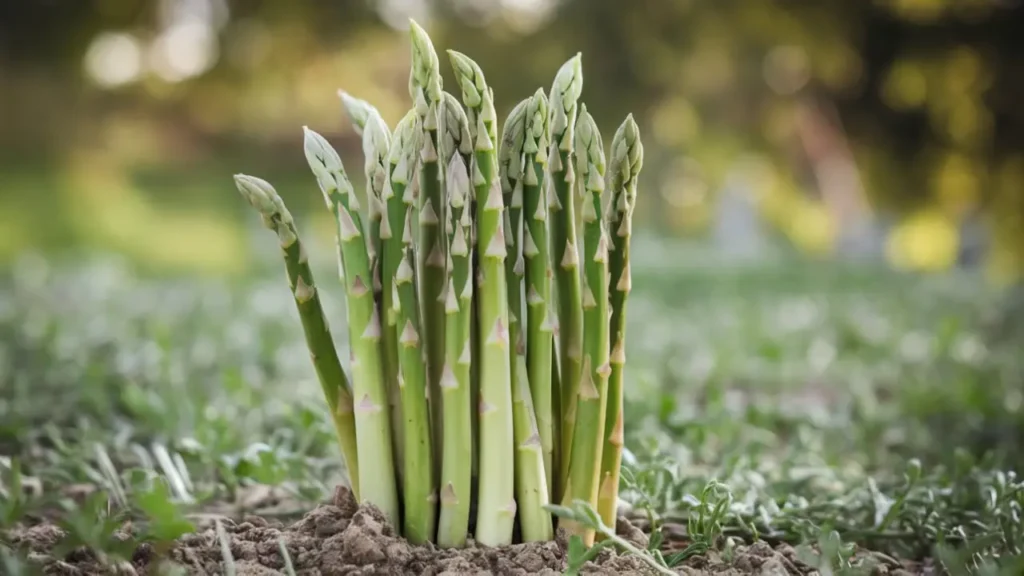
point(418, 487)
point(496, 506)
point(373, 430)
point(510, 170)
point(538, 276)
point(556, 385)
point(531, 478)
point(627, 157)
point(359, 111)
point(456, 146)
point(587, 442)
point(425, 89)
point(562, 118)
point(474, 336)
point(337, 389)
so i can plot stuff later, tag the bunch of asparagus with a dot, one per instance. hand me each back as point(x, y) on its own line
point(464, 259)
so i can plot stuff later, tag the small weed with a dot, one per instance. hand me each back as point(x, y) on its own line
point(584, 514)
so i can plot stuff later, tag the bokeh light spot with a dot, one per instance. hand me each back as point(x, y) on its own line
point(114, 59)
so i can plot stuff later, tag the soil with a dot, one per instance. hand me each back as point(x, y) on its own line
point(343, 538)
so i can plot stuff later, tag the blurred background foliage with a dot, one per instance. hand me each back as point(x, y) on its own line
point(879, 129)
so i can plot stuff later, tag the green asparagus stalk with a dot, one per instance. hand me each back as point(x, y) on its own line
point(538, 275)
point(474, 336)
point(425, 89)
point(456, 146)
point(556, 385)
point(373, 430)
point(627, 157)
point(510, 170)
point(336, 387)
point(496, 506)
point(418, 486)
point(531, 478)
point(587, 438)
point(359, 111)
point(565, 254)
point(531, 487)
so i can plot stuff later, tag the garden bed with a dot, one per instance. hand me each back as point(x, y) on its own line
point(342, 537)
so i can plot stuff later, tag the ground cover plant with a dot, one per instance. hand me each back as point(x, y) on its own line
point(206, 409)
point(782, 419)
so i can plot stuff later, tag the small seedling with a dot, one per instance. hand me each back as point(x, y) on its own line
point(584, 514)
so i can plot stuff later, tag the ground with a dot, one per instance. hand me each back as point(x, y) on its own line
point(782, 419)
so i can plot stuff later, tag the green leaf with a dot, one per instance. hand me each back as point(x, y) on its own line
point(167, 522)
point(561, 511)
point(587, 515)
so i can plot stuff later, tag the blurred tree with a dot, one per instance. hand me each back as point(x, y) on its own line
point(908, 106)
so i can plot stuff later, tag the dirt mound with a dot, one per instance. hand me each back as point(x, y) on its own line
point(335, 539)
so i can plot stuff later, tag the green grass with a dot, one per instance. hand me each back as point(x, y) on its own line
point(791, 401)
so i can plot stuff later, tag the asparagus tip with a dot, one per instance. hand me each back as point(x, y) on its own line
point(377, 139)
point(470, 79)
point(588, 139)
point(627, 151)
point(358, 110)
point(321, 156)
point(569, 79)
point(416, 29)
point(425, 73)
point(462, 63)
point(258, 192)
point(455, 126)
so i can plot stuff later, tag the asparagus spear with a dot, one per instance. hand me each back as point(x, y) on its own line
point(337, 390)
point(373, 431)
point(562, 118)
point(538, 276)
point(510, 170)
point(593, 389)
point(531, 475)
point(496, 507)
point(456, 146)
point(359, 112)
point(419, 493)
point(627, 158)
point(425, 89)
point(534, 393)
